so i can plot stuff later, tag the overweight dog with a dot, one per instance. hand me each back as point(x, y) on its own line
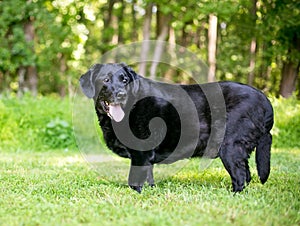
point(151, 122)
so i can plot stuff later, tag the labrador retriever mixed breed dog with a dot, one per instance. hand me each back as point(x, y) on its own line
point(151, 122)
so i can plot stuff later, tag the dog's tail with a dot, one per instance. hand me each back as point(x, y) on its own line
point(263, 149)
point(263, 154)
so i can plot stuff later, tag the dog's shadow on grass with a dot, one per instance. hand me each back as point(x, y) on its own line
point(194, 180)
point(187, 175)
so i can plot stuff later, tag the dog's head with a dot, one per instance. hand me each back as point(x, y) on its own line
point(110, 85)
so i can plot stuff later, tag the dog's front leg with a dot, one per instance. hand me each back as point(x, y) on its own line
point(137, 177)
point(141, 170)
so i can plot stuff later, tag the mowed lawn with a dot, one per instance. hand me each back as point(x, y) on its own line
point(45, 180)
point(62, 188)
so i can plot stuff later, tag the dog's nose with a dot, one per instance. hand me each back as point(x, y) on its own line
point(121, 95)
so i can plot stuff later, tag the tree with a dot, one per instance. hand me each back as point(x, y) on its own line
point(163, 24)
point(30, 70)
point(19, 36)
point(252, 45)
point(212, 43)
point(289, 35)
point(45, 45)
point(108, 30)
point(284, 35)
point(290, 69)
point(134, 35)
point(121, 22)
point(146, 37)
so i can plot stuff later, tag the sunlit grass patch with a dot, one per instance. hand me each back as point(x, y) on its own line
point(62, 188)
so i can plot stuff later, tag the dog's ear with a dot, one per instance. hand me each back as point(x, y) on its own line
point(134, 78)
point(87, 81)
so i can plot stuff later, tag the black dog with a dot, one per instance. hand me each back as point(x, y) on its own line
point(152, 122)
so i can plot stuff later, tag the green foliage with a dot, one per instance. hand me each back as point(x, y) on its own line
point(72, 35)
point(58, 134)
point(286, 131)
point(283, 31)
point(37, 124)
point(58, 35)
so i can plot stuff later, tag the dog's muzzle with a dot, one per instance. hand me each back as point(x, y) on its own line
point(114, 108)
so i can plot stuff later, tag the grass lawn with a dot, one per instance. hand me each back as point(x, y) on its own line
point(61, 188)
point(47, 186)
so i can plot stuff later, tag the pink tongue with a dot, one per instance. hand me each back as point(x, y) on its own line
point(116, 112)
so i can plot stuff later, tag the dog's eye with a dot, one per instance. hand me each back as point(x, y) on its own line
point(106, 80)
point(125, 80)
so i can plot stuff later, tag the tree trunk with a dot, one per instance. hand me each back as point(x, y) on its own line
point(63, 68)
point(212, 45)
point(2, 82)
point(114, 26)
point(121, 23)
point(32, 79)
point(252, 62)
point(107, 20)
point(252, 46)
point(146, 37)
point(158, 51)
point(163, 23)
point(290, 72)
point(21, 81)
point(171, 72)
point(31, 71)
point(183, 41)
point(134, 35)
point(108, 16)
point(197, 37)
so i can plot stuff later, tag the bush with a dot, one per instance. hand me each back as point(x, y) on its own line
point(58, 134)
point(37, 124)
point(286, 130)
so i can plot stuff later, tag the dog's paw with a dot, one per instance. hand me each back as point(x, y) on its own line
point(137, 188)
point(237, 189)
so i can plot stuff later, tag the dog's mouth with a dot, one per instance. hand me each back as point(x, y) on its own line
point(113, 110)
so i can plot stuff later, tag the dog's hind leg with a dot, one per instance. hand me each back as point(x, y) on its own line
point(235, 160)
point(248, 174)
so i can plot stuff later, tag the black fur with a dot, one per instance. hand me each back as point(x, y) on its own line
point(249, 119)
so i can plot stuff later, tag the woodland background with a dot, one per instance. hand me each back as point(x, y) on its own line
point(46, 45)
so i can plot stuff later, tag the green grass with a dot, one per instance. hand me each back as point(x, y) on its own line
point(286, 131)
point(45, 180)
point(44, 122)
point(54, 188)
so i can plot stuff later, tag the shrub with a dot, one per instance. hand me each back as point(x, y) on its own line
point(38, 124)
point(286, 130)
point(58, 134)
